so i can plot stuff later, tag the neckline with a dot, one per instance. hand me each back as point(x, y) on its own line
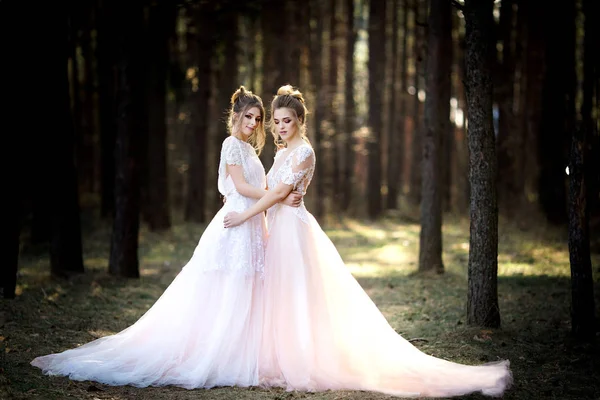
point(240, 140)
point(286, 157)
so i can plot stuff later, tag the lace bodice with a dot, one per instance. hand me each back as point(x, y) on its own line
point(239, 249)
point(293, 167)
point(237, 152)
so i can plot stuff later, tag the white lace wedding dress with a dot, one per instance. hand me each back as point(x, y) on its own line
point(322, 331)
point(204, 330)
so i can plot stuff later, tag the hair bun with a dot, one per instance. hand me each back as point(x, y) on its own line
point(240, 92)
point(288, 90)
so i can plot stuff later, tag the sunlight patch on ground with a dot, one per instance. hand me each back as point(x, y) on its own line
point(364, 270)
point(394, 254)
point(524, 269)
point(367, 230)
point(150, 271)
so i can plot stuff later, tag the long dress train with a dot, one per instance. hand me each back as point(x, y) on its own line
point(205, 328)
point(322, 331)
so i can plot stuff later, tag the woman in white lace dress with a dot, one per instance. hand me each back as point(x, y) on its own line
point(321, 330)
point(204, 330)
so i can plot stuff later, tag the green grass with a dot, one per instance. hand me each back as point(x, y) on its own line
point(534, 293)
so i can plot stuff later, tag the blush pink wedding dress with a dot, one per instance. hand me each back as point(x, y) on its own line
point(204, 330)
point(322, 331)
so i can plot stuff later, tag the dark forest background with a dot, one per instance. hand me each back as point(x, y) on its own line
point(114, 111)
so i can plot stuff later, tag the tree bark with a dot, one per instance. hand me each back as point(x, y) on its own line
point(275, 51)
point(66, 254)
point(558, 109)
point(392, 133)
point(124, 259)
point(316, 77)
point(376, 67)
point(402, 105)
point(161, 19)
point(582, 283)
point(106, 105)
point(195, 205)
point(415, 151)
point(333, 115)
point(349, 107)
point(437, 112)
point(482, 302)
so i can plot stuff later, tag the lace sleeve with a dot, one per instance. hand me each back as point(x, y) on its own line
point(302, 162)
point(231, 154)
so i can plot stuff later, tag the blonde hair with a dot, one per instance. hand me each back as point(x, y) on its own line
point(242, 101)
point(288, 97)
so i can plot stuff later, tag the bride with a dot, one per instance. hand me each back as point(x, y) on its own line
point(204, 330)
point(321, 330)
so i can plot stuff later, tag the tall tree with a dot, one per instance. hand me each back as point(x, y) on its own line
point(316, 76)
point(332, 82)
point(228, 73)
point(105, 54)
point(376, 67)
point(582, 283)
point(201, 48)
point(419, 70)
point(161, 19)
point(275, 51)
point(504, 95)
point(482, 301)
point(437, 112)
point(392, 132)
point(66, 254)
point(124, 244)
point(558, 108)
point(532, 60)
point(349, 106)
point(402, 103)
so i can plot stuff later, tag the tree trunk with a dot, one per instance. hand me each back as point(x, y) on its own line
point(402, 106)
point(295, 14)
point(106, 105)
point(507, 134)
point(376, 69)
point(124, 244)
point(333, 117)
point(228, 80)
point(161, 19)
point(316, 77)
point(195, 206)
point(558, 109)
point(66, 255)
point(482, 303)
point(415, 151)
point(437, 111)
point(349, 107)
point(392, 133)
point(531, 105)
point(275, 51)
point(582, 283)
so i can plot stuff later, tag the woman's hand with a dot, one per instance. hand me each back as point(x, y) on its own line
point(294, 199)
point(233, 219)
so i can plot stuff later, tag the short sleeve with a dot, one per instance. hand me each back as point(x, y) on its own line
point(231, 152)
point(303, 161)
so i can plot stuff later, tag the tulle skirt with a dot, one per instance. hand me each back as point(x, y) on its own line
point(204, 330)
point(322, 331)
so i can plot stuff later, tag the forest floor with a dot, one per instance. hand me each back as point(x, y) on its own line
point(50, 315)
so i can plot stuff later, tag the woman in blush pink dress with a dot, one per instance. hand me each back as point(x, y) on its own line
point(321, 330)
point(205, 329)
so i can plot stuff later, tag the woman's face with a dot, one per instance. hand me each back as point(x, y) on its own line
point(250, 121)
point(285, 123)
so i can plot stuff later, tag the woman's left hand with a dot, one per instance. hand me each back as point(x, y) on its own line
point(233, 219)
